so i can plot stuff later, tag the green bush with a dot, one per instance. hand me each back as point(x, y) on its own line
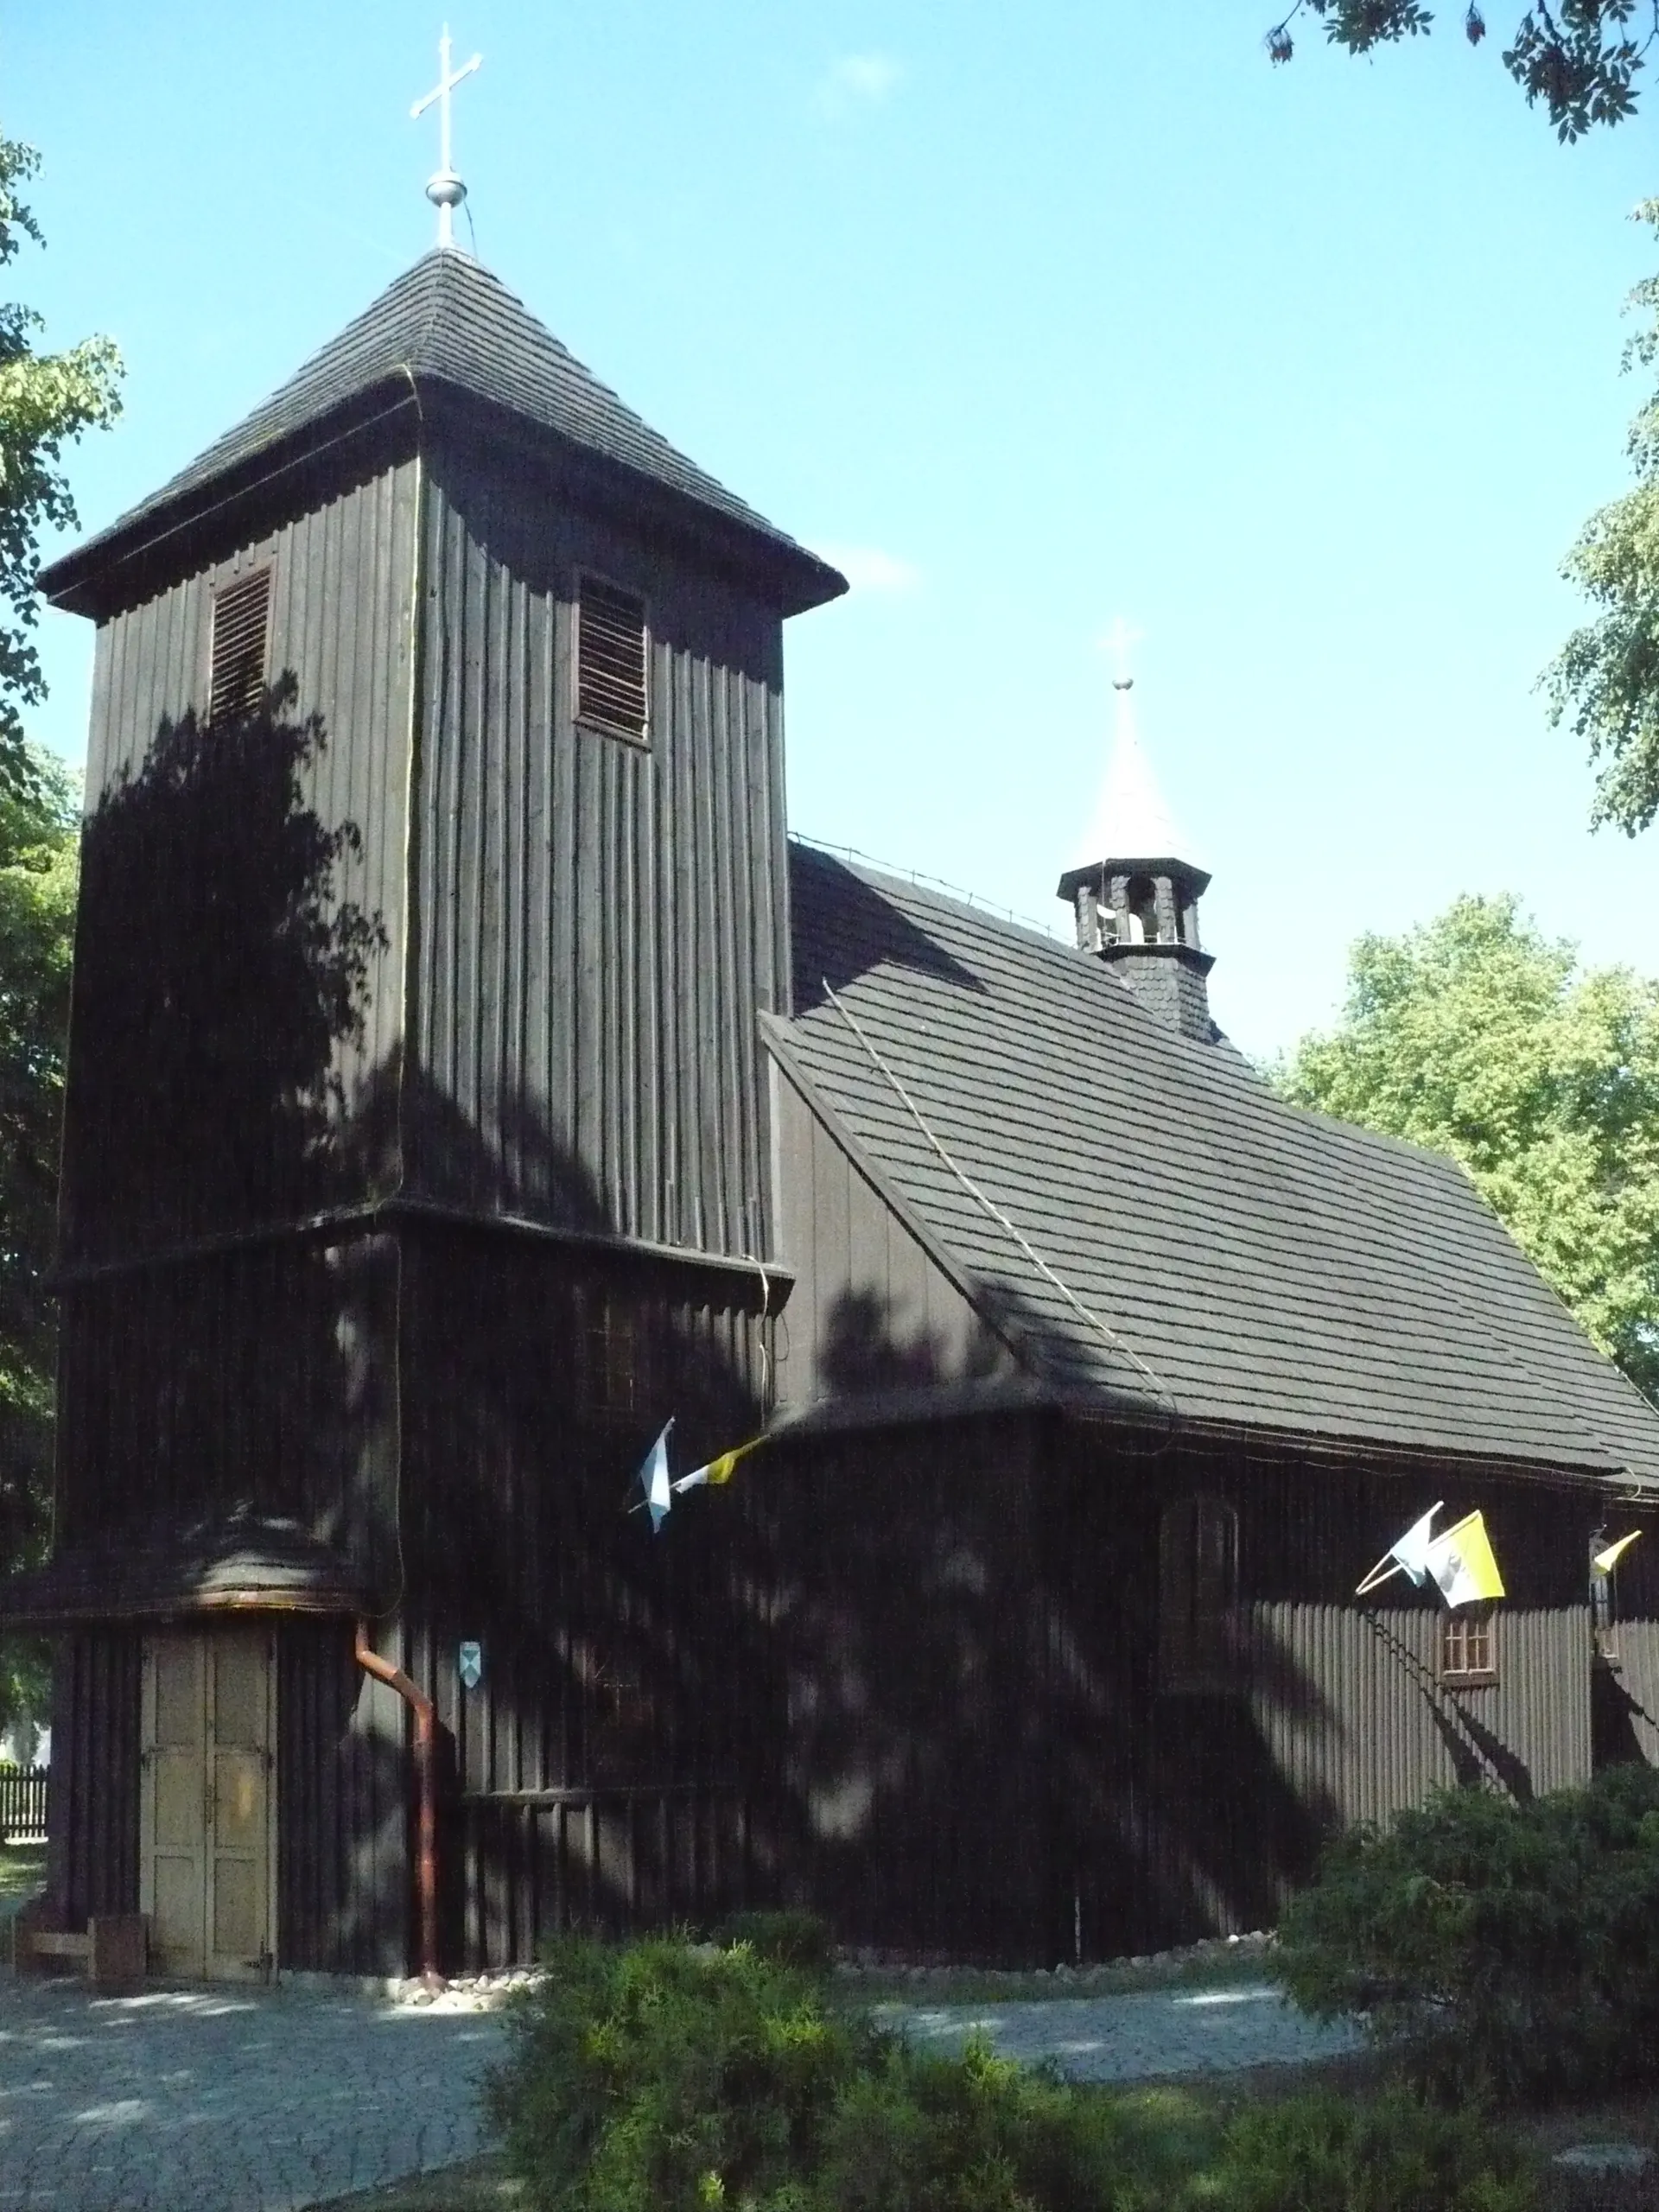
point(668, 2075)
point(793, 1938)
point(1317, 2152)
point(981, 2134)
point(673, 2076)
point(1501, 1949)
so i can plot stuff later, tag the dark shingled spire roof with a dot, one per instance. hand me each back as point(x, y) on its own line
point(449, 321)
point(1245, 1263)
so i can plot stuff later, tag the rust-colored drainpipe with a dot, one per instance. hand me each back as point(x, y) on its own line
point(426, 1765)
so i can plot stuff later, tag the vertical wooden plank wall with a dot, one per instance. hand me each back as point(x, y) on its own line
point(599, 921)
point(258, 1377)
point(1625, 1682)
point(343, 1795)
point(342, 623)
point(915, 1812)
point(262, 1380)
point(870, 1310)
point(1188, 1814)
point(93, 1852)
point(517, 1535)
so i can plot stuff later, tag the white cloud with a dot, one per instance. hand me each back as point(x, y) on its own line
point(856, 81)
point(866, 567)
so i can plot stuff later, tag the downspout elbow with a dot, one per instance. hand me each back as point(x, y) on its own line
point(426, 1763)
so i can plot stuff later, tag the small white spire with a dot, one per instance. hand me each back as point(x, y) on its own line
point(1117, 641)
point(1131, 820)
point(445, 189)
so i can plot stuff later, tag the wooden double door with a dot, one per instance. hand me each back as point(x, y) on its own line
point(208, 1803)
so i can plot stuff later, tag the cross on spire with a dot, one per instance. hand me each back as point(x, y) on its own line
point(445, 189)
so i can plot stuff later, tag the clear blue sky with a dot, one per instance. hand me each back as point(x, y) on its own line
point(1030, 317)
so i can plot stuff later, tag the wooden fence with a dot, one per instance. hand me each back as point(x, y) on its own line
point(23, 1803)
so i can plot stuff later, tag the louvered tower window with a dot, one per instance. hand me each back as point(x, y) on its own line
point(611, 660)
point(241, 626)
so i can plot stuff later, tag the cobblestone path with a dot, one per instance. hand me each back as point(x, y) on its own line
point(1134, 2038)
point(258, 2101)
point(264, 2100)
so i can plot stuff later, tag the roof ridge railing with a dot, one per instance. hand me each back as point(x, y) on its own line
point(930, 882)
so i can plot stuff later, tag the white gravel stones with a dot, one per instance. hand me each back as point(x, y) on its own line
point(1604, 2158)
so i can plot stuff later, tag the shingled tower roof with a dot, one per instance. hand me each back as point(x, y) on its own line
point(447, 324)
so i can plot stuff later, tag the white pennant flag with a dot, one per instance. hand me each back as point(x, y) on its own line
point(653, 1479)
point(1462, 1563)
point(1410, 1556)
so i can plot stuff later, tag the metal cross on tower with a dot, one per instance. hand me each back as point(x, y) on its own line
point(445, 189)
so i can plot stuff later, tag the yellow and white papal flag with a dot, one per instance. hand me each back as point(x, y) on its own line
point(1461, 1564)
point(719, 1469)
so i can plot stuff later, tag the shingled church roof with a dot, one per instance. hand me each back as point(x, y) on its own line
point(1236, 1259)
point(449, 321)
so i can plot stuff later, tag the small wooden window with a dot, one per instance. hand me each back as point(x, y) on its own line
point(615, 1375)
point(1197, 1596)
point(241, 632)
point(611, 660)
point(623, 1743)
point(1466, 1645)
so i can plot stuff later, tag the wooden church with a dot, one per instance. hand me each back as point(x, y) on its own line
point(467, 1076)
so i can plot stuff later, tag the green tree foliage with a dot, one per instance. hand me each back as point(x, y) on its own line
point(38, 846)
point(1480, 1037)
point(1579, 58)
point(46, 401)
point(1606, 678)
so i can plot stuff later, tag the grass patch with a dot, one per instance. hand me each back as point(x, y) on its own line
point(475, 2186)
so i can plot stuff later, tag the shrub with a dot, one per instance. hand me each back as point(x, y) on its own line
point(981, 2134)
point(1317, 2151)
point(1500, 1949)
point(667, 2074)
point(792, 1938)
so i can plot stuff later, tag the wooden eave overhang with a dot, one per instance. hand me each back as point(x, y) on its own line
point(162, 539)
point(386, 420)
point(241, 1564)
point(770, 1279)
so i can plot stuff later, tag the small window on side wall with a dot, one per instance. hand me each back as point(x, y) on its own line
point(1467, 1651)
point(611, 660)
point(623, 1724)
point(1197, 1596)
point(240, 645)
point(614, 1347)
